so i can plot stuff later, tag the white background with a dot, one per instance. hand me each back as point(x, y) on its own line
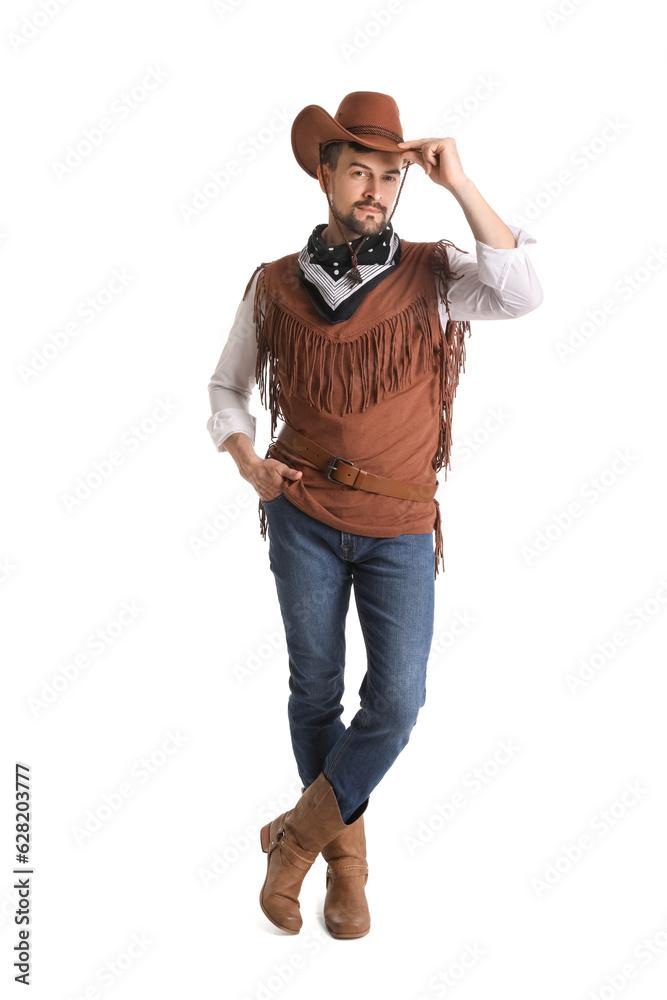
point(203, 655)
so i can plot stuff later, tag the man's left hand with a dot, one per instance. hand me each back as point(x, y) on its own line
point(438, 157)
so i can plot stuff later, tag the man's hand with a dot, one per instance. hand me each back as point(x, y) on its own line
point(266, 476)
point(439, 158)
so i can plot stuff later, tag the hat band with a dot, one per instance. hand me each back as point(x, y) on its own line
point(374, 130)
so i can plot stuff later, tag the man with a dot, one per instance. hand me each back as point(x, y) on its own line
point(356, 343)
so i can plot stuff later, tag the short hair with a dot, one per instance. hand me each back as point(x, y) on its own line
point(332, 150)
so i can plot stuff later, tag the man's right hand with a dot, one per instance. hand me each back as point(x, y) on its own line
point(266, 476)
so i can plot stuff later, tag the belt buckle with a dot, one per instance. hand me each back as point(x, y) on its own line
point(331, 467)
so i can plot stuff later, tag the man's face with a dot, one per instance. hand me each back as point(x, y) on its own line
point(368, 179)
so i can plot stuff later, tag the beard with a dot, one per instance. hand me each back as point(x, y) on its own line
point(363, 225)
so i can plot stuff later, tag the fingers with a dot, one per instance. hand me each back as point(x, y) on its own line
point(287, 470)
point(412, 154)
point(423, 156)
point(420, 151)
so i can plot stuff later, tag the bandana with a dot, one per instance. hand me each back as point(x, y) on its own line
point(323, 271)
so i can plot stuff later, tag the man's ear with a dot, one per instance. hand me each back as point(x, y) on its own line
point(328, 177)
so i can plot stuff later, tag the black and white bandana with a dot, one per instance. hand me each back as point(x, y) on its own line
point(323, 270)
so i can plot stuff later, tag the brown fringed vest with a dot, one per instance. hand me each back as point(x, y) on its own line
point(377, 389)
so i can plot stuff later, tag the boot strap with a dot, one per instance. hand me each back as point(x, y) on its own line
point(347, 867)
point(300, 858)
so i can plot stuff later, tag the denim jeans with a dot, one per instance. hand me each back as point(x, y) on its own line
point(315, 566)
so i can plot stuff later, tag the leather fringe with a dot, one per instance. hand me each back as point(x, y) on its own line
point(263, 523)
point(380, 361)
point(453, 344)
point(437, 527)
point(452, 363)
point(253, 275)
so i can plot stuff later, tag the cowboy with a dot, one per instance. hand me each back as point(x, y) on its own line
point(356, 343)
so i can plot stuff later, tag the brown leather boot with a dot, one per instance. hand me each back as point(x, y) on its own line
point(292, 841)
point(345, 906)
point(346, 913)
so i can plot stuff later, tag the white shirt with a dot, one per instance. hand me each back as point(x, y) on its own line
point(495, 284)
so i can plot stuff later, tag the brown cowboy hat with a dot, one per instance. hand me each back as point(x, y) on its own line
point(363, 116)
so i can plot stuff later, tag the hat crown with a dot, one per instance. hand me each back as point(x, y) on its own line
point(366, 113)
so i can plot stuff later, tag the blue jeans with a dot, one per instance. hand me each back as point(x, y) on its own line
point(315, 566)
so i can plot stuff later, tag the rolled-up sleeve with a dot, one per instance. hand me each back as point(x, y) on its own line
point(494, 283)
point(233, 380)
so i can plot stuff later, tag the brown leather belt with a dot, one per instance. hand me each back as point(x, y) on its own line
point(340, 470)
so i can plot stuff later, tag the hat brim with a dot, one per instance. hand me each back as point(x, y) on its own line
point(314, 125)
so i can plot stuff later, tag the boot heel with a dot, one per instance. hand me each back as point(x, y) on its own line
point(265, 838)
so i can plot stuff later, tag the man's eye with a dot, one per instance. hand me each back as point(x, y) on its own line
point(389, 176)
